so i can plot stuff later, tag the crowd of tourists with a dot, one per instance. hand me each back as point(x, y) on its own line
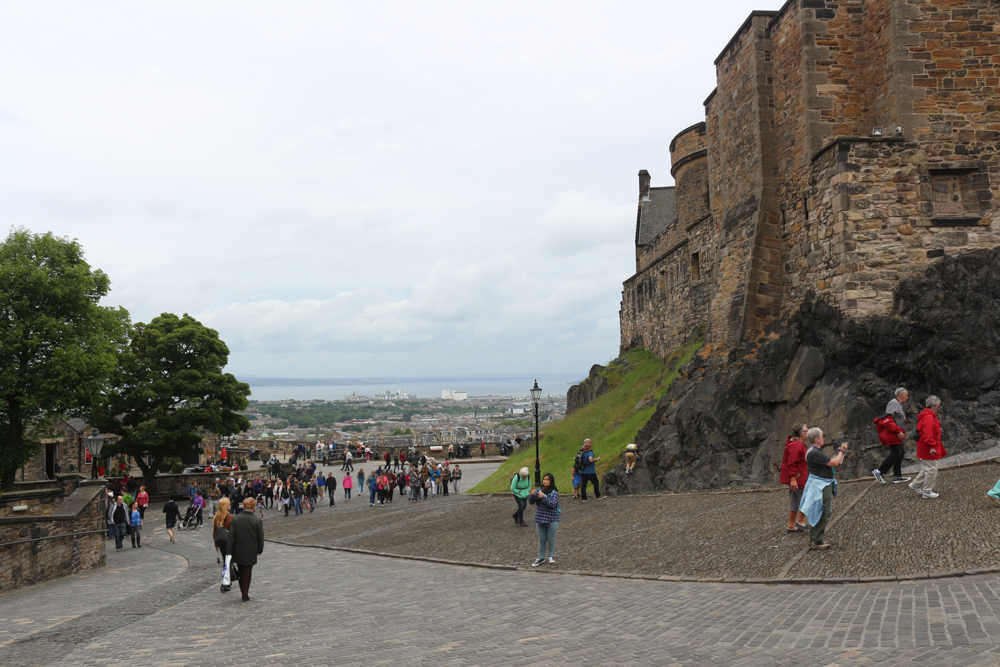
point(810, 475)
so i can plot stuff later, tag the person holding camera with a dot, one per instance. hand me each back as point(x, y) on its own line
point(821, 487)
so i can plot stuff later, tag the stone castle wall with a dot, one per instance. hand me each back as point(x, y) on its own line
point(784, 189)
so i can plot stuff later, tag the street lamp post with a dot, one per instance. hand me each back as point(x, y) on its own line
point(96, 443)
point(536, 394)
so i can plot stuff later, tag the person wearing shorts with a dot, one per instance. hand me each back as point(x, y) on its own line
point(794, 474)
point(173, 514)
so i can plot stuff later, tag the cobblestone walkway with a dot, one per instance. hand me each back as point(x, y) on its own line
point(161, 605)
point(316, 606)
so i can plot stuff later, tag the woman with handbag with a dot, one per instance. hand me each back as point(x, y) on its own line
point(220, 529)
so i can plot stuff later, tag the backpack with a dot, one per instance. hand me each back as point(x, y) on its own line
point(888, 430)
point(578, 464)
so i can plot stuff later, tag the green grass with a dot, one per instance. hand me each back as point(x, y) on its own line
point(611, 422)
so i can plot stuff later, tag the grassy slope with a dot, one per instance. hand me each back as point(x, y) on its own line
point(611, 422)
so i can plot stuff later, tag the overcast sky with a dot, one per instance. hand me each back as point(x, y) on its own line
point(357, 189)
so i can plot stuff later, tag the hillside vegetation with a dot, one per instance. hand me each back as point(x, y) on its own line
point(637, 380)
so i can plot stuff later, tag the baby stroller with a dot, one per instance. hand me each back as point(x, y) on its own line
point(190, 520)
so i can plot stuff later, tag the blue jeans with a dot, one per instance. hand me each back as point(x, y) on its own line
point(347, 494)
point(119, 535)
point(298, 505)
point(547, 535)
point(371, 496)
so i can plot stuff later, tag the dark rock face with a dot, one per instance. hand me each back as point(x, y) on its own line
point(725, 422)
point(589, 390)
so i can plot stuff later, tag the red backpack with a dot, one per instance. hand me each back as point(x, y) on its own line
point(889, 432)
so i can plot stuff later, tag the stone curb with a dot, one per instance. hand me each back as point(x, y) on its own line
point(800, 581)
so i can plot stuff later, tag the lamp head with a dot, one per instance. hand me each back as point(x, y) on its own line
point(536, 392)
point(95, 442)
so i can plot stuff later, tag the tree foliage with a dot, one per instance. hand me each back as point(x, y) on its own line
point(170, 387)
point(58, 346)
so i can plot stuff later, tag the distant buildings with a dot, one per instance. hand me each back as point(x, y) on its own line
point(448, 394)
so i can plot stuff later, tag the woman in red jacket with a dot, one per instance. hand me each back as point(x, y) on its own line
point(929, 448)
point(794, 475)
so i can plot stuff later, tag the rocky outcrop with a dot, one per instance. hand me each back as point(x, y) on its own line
point(587, 391)
point(724, 421)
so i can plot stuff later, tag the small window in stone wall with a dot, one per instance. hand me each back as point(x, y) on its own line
point(959, 196)
point(695, 267)
point(661, 284)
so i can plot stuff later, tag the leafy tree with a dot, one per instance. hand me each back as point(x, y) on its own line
point(58, 346)
point(169, 386)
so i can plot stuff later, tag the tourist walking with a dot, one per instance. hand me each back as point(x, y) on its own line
point(120, 517)
point(930, 449)
point(214, 494)
point(821, 487)
point(331, 487)
point(220, 530)
point(445, 478)
point(794, 474)
point(361, 480)
point(135, 526)
point(892, 433)
point(547, 514)
point(143, 499)
point(482, 449)
point(588, 473)
point(456, 478)
point(520, 486)
point(348, 485)
point(199, 503)
point(172, 513)
point(246, 542)
point(372, 488)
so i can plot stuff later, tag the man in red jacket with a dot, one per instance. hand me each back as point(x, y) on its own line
point(929, 448)
point(794, 474)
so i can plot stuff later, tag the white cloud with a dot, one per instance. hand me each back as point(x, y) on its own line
point(377, 188)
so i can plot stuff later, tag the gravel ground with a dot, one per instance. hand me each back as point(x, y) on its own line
point(889, 531)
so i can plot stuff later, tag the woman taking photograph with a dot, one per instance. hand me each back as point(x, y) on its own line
point(546, 518)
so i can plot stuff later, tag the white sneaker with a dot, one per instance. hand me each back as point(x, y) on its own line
point(920, 491)
point(552, 560)
point(878, 476)
point(930, 494)
point(538, 561)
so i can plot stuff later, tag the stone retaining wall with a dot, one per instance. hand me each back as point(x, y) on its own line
point(66, 540)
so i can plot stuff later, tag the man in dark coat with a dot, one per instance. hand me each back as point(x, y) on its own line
point(246, 542)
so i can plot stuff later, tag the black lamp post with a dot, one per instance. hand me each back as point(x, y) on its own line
point(536, 394)
point(96, 443)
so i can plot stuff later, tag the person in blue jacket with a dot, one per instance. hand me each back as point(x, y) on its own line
point(589, 471)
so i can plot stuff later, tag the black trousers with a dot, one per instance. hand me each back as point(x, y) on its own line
point(592, 478)
point(245, 572)
point(894, 460)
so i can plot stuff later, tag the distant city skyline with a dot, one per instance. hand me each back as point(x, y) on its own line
point(339, 189)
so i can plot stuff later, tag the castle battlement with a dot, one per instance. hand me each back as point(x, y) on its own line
point(847, 144)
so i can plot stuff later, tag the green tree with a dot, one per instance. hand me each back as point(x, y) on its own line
point(169, 386)
point(58, 346)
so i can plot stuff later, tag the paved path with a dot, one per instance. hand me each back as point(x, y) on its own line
point(312, 605)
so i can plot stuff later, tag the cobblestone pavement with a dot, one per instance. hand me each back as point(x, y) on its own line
point(878, 530)
point(312, 604)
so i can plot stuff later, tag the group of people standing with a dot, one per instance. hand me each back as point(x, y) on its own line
point(809, 472)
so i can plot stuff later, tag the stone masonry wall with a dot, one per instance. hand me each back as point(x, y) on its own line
point(800, 196)
point(70, 540)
